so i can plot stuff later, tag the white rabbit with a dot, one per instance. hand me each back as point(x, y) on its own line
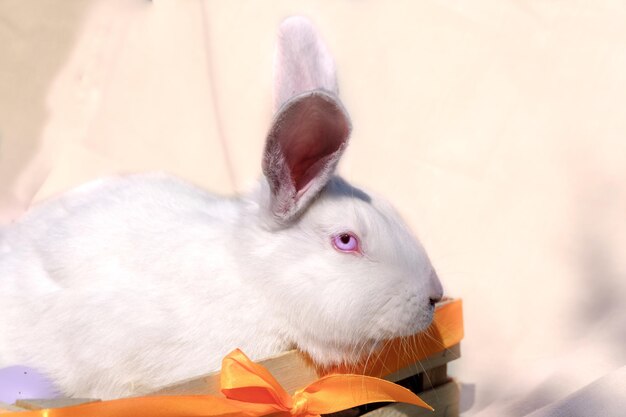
point(129, 283)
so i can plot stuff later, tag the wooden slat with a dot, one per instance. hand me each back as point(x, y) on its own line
point(290, 369)
point(294, 372)
point(435, 377)
point(40, 404)
point(438, 359)
point(444, 399)
point(7, 408)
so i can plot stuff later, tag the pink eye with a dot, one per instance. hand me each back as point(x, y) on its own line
point(346, 242)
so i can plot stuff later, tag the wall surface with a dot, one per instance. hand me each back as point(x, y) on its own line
point(498, 129)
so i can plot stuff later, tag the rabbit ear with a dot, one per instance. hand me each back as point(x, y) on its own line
point(311, 128)
point(302, 62)
point(303, 147)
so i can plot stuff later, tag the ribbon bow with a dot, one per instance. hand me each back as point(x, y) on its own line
point(246, 381)
point(250, 391)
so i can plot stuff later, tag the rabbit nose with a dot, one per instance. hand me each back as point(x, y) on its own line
point(434, 300)
point(436, 290)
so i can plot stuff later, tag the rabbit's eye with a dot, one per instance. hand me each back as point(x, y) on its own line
point(346, 242)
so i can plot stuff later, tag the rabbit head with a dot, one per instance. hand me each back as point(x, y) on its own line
point(345, 271)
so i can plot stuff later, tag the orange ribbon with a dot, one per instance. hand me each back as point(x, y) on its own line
point(251, 391)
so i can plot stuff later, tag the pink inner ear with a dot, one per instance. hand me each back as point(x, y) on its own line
point(311, 132)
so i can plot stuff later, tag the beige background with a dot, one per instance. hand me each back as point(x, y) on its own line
point(496, 127)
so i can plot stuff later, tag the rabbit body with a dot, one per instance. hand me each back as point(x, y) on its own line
point(141, 271)
point(129, 283)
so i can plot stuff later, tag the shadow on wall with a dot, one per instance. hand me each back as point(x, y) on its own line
point(601, 259)
point(595, 323)
point(36, 39)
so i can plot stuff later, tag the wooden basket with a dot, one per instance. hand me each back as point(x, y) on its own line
point(418, 363)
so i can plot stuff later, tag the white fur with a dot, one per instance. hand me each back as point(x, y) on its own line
point(301, 62)
point(130, 283)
